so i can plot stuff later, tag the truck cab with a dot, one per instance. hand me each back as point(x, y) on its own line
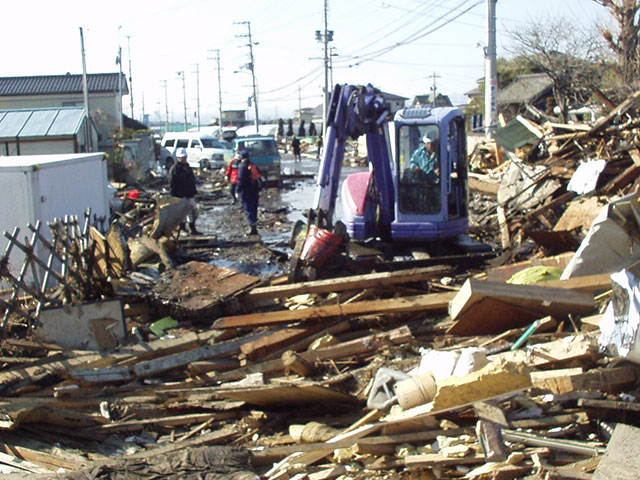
point(263, 152)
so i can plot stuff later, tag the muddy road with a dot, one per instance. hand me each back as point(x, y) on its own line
point(267, 254)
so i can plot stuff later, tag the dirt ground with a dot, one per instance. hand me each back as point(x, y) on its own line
point(262, 255)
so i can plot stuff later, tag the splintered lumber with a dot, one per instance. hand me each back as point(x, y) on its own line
point(485, 308)
point(263, 346)
point(354, 282)
point(569, 380)
point(616, 112)
point(14, 412)
point(621, 460)
point(269, 455)
point(292, 394)
point(167, 421)
point(609, 404)
point(434, 302)
point(575, 347)
point(158, 365)
point(429, 460)
point(150, 350)
point(357, 346)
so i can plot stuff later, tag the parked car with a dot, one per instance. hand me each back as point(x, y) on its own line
point(264, 153)
point(204, 151)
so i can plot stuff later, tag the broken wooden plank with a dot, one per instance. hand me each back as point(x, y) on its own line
point(434, 302)
point(293, 394)
point(357, 346)
point(269, 455)
point(609, 404)
point(482, 308)
point(166, 421)
point(505, 237)
point(571, 348)
point(623, 107)
point(354, 282)
point(157, 366)
point(569, 380)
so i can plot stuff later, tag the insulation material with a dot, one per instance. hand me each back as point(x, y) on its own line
point(445, 364)
point(619, 324)
point(613, 241)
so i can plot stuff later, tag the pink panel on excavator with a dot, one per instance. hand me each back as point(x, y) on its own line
point(355, 187)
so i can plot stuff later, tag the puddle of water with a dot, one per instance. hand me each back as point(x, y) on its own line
point(255, 269)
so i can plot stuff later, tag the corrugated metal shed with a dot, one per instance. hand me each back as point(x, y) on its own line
point(41, 122)
point(61, 84)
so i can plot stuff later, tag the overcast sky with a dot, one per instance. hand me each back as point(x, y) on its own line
point(397, 45)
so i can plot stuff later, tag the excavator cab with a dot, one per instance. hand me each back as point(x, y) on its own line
point(429, 174)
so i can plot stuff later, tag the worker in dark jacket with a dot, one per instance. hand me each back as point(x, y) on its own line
point(182, 184)
point(249, 184)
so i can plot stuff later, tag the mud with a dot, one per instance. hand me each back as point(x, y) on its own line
point(266, 254)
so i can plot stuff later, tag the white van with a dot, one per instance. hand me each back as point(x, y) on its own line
point(204, 151)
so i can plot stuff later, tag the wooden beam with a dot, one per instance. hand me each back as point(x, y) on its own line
point(355, 282)
point(482, 308)
point(435, 303)
point(619, 110)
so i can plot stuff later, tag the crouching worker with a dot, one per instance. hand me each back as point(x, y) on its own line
point(249, 185)
point(182, 184)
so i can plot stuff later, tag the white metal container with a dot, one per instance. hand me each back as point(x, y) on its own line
point(44, 187)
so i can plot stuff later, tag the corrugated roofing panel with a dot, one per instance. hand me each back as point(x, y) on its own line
point(67, 122)
point(13, 122)
point(38, 123)
point(59, 84)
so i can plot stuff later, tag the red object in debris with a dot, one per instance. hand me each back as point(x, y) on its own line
point(132, 194)
point(319, 246)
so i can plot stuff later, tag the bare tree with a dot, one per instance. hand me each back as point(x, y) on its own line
point(624, 42)
point(570, 56)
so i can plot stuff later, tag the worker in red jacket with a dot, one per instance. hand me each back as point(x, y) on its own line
point(232, 175)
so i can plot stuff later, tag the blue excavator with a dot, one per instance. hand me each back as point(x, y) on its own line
point(402, 198)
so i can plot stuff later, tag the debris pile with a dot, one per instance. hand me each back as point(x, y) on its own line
point(431, 372)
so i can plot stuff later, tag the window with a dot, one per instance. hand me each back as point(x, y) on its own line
point(196, 143)
point(419, 190)
point(169, 143)
point(182, 143)
point(211, 143)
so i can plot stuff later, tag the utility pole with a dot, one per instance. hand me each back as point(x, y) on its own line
point(130, 79)
point(219, 96)
point(325, 38)
point(433, 88)
point(184, 99)
point(299, 105)
point(490, 74)
point(198, 93)
point(85, 93)
point(166, 108)
point(119, 62)
point(253, 73)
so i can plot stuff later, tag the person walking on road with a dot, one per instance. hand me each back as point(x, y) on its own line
point(249, 184)
point(182, 184)
point(295, 146)
point(232, 175)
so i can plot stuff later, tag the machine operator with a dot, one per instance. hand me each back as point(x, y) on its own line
point(424, 160)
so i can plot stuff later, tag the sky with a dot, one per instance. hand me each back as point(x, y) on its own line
point(399, 46)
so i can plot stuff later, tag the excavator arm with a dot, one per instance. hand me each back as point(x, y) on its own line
point(353, 111)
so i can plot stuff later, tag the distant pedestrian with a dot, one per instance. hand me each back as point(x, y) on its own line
point(295, 146)
point(182, 184)
point(232, 175)
point(249, 185)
